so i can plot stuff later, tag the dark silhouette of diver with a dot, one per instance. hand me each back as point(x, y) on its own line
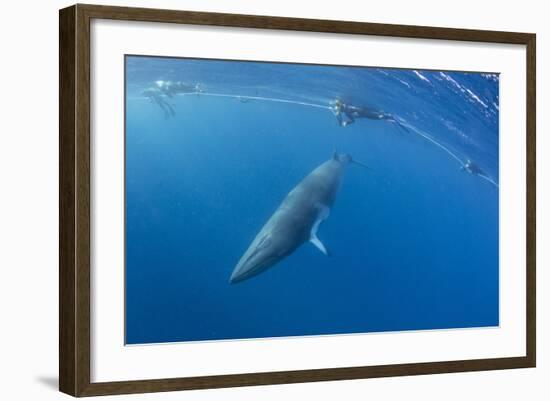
point(156, 96)
point(472, 168)
point(346, 114)
point(162, 90)
point(170, 88)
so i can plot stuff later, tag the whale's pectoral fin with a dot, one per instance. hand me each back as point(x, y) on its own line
point(323, 214)
point(319, 245)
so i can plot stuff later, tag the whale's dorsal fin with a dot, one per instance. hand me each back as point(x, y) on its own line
point(323, 214)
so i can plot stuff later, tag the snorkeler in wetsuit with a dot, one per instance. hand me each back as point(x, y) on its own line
point(346, 114)
point(473, 168)
point(156, 96)
point(170, 88)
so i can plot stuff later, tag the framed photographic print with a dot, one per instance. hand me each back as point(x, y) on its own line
point(251, 200)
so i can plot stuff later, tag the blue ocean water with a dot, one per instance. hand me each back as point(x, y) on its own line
point(414, 241)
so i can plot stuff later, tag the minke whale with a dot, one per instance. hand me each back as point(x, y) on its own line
point(296, 220)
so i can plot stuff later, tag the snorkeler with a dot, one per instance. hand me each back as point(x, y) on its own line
point(170, 88)
point(347, 113)
point(155, 96)
point(473, 168)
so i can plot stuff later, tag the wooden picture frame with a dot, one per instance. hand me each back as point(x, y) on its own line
point(74, 202)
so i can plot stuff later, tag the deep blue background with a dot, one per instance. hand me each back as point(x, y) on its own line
point(414, 244)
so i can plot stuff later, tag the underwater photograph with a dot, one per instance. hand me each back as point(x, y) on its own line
point(268, 199)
